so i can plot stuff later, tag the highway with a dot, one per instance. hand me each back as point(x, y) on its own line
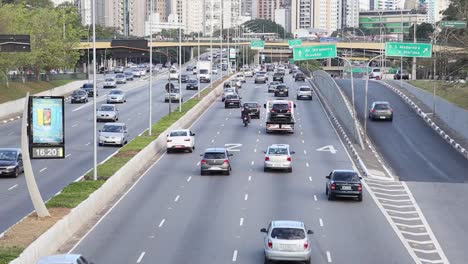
point(53, 175)
point(436, 174)
point(174, 215)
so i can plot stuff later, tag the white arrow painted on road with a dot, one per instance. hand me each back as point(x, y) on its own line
point(329, 148)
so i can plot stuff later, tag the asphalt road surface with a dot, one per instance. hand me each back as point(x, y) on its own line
point(436, 174)
point(174, 215)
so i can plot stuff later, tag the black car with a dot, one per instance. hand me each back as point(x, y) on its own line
point(299, 77)
point(270, 67)
point(232, 100)
point(281, 90)
point(189, 68)
point(79, 96)
point(254, 109)
point(399, 75)
point(344, 183)
point(192, 84)
point(184, 78)
point(11, 162)
point(278, 76)
point(89, 88)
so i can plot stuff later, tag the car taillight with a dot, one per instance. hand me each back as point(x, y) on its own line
point(306, 245)
point(373, 110)
point(169, 140)
point(359, 187)
point(270, 244)
point(273, 110)
point(203, 162)
point(289, 111)
point(267, 158)
point(333, 186)
point(289, 158)
point(226, 161)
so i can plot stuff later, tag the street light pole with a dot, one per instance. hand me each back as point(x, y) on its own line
point(95, 176)
point(197, 70)
point(221, 37)
point(211, 44)
point(180, 68)
point(150, 123)
point(367, 88)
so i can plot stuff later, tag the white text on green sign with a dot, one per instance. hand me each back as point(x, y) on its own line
point(294, 43)
point(401, 49)
point(257, 44)
point(314, 52)
point(453, 24)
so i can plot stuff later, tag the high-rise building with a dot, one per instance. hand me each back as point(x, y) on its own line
point(364, 5)
point(246, 7)
point(385, 4)
point(317, 14)
point(303, 14)
point(435, 9)
point(349, 13)
point(85, 8)
point(266, 8)
point(283, 18)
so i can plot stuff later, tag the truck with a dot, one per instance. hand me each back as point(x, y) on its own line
point(279, 116)
point(204, 71)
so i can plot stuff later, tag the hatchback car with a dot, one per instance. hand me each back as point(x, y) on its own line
point(381, 111)
point(110, 83)
point(344, 183)
point(120, 78)
point(113, 134)
point(278, 157)
point(173, 96)
point(299, 77)
point(192, 84)
point(272, 86)
point(241, 77)
point(304, 92)
point(119, 69)
point(116, 96)
point(254, 109)
point(215, 160)
point(79, 96)
point(11, 162)
point(184, 78)
point(260, 78)
point(107, 112)
point(286, 241)
point(281, 90)
point(182, 139)
point(64, 259)
point(129, 75)
point(232, 100)
point(136, 72)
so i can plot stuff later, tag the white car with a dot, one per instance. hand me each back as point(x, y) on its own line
point(110, 82)
point(214, 70)
point(120, 78)
point(182, 139)
point(278, 157)
point(248, 73)
point(136, 72)
point(116, 96)
point(241, 77)
point(174, 74)
point(142, 71)
point(107, 112)
point(113, 134)
point(174, 96)
point(375, 74)
point(304, 92)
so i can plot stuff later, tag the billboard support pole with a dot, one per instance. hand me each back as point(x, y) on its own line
point(33, 189)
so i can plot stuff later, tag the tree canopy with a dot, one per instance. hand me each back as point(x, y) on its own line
point(266, 26)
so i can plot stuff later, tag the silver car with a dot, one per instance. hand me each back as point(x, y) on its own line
point(272, 86)
point(260, 78)
point(304, 92)
point(110, 83)
point(120, 78)
point(215, 160)
point(278, 156)
point(287, 241)
point(116, 96)
point(113, 134)
point(107, 112)
point(381, 110)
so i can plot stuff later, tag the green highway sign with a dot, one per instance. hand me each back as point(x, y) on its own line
point(402, 49)
point(452, 24)
point(314, 52)
point(294, 43)
point(257, 44)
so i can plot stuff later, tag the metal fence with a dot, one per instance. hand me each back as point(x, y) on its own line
point(45, 77)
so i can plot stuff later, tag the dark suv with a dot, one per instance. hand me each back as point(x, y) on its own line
point(254, 109)
point(299, 77)
point(281, 110)
point(281, 90)
point(89, 88)
point(215, 160)
point(344, 183)
point(278, 76)
point(232, 100)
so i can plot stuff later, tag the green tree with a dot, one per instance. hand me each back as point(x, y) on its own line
point(266, 26)
point(457, 10)
point(423, 32)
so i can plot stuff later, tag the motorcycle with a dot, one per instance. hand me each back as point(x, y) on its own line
point(246, 121)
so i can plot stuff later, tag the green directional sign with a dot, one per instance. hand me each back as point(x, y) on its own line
point(452, 24)
point(402, 49)
point(294, 43)
point(314, 52)
point(257, 44)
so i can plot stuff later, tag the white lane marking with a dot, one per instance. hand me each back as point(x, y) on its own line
point(12, 187)
point(307, 164)
point(234, 256)
point(217, 132)
point(222, 125)
point(310, 178)
point(189, 178)
point(329, 257)
point(227, 118)
point(255, 150)
point(198, 163)
point(302, 133)
point(177, 198)
point(11, 133)
point(303, 141)
point(252, 163)
point(246, 196)
point(258, 140)
point(162, 223)
point(259, 132)
point(87, 144)
point(321, 222)
point(212, 141)
point(250, 178)
point(68, 155)
point(141, 257)
point(315, 198)
point(241, 222)
point(43, 169)
point(305, 152)
point(75, 125)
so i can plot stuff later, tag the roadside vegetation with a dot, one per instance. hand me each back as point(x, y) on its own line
point(17, 90)
point(456, 93)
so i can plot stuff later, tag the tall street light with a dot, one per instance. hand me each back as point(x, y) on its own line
point(95, 176)
point(211, 44)
point(150, 123)
point(180, 68)
point(221, 37)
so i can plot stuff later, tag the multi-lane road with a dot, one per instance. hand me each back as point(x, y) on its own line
point(53, 175)
point(436, 174)
point(174, 215)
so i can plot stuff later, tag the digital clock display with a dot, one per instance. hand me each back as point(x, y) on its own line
point(47, 153)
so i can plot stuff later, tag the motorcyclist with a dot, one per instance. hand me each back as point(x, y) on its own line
point(245, 113)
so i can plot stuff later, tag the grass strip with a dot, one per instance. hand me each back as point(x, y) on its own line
point(456, 93)
point(8, 254)
point(18, 90)
point(75, 193)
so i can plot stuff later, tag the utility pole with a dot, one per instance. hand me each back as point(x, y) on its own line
point(150, 123)
point(413, 70)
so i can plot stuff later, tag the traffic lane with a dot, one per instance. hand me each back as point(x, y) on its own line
point(413, 150)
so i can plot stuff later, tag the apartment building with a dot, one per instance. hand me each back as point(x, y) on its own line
point(266, 8)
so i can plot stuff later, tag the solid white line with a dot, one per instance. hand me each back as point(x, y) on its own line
point(406, 219)
point(11, 133)
point(310, 178)
point(255, 150)
point(432, 261)
point(241, 222)
point(75, 125)
point(410, 226)
point(250, 178)
point(305, 152)
point(303, 141)
point(329, 257)
point(177, 198)
point(12, 187)
point(414, 234)
point(401, 212)
point(189, 178)
point(252, 163)
point(68, 155)
point(162, 222)
point(427, 242)
point(315, 198)
point(246, 196)
point(43, 169)
point(307, 164)
point(234, 256)
point(321, 222)
point(141, 257)
point(392, 195)
point(398, 201)
point(388, 190)
point(397, 206)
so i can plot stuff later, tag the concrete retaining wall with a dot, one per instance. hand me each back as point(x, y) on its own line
point(14, 107)
point(51, 241)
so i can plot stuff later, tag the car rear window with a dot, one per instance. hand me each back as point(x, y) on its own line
point(109, 80)
point(88, 85)
point(215, 155)
point(231, 96)
point(251, 105)
point(116, 92)
point(287, 233)
point(278, 151)
point(281, 87)
point(346, 176)
point(299, 74)
point(382, 106)
point(304, 89)
point(178, 134)
point(78, 92)
point(281, 106)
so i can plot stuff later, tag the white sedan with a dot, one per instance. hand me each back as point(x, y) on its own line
point(182, 139)
point(110, 82)
point(173, 96)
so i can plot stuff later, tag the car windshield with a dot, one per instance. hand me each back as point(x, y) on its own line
point(304, 89)
point(116, 92)
point(78, 92)
point(299, 74)
point(278, 151)
point(251, 105)
point(9, 155)
point(231, 96)
point(178, 134)
point(382, 106)
point(128, 73)
point(203, 71)
point(287, 233)
point(109, 80)
point(120, 76)
point(346, 176)
point(215, 155)
point(229, 91)
point(88, 85)
point(281, 106)
point(107, 108)
point(274, 83)
point(175, 91)
point(112, 128)
point(281, 87)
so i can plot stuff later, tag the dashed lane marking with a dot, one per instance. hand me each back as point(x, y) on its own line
point(11, 133)
point(162, 223)
point(140, 258)
point(12, 187)
point(315, 198)
point(321, 222)
point(177, 198)
point(189, 178)
point(234, 256)
point(250, 178)
point(329, 259)
point(43, 169)
point(68, 155)
point(241, 222)
point(246, 196)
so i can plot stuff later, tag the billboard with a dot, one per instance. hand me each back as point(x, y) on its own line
point(46, 126)
point(232, 53)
